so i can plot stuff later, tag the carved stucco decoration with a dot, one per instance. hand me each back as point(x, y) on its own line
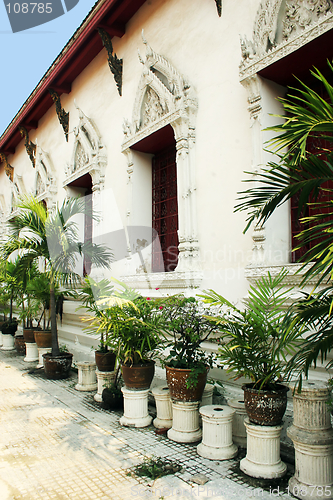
point(8, 168)
point(164, 97)
point(63, 116)
point(89, 154)
point(280, 28)
point(17, 189)
point(29, 145)
point(219, 7)
point(115, 64)
point(45, 184)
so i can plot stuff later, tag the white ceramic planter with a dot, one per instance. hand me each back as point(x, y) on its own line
point(163, 418)
point(312, 435)
point(263, 452)
point(41, 351)
point(104, 379)
point(135, 408)
point(31, 352)
point(217, 433)
point(86, 376)
point(185, 423)
point(238, 427)
point(7, 342)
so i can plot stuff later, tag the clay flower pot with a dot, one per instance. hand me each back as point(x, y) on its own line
point(43, 338)
point(265, 407)
point(138, 376)
point(105, 361)
point(57, 367)
point(177, 382)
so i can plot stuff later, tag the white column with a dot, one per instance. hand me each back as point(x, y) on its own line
point(104, 379)
point(86, 376)
point(217, 433)
point(185, 424)
point(41, 351)
point(31, 352)
point(312, 435)
point(238, 427)
point(163, 419)
point(135, 408)
point(263, 452)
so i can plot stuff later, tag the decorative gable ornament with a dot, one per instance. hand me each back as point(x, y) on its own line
point(280, 28)
point(89, 153)
point(45, 185)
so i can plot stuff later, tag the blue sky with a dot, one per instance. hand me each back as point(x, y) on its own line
point(25, 56)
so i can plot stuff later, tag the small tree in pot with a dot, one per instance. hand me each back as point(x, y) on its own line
point(256, 341)
point(187, 363)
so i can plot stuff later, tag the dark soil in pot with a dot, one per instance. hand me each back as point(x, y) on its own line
point(265, 406)
point(138, 376)
point(57, 367)
point(177, 382)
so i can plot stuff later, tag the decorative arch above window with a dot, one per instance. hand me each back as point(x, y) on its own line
point(89, 154)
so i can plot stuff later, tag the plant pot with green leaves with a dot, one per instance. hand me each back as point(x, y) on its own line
point(91, 293)
point(112, 395)
point(255, 344)
point(187, 363)
point(52, 237)
point(134, 326)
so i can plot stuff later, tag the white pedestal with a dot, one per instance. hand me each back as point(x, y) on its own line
point(217, 433)
point(185, 424)
point(238, 427)
point(104, 379)
point(163, 419)
point(1, 339)
point(7, 342)
point(312, 436)
point(207, 397)
point(135, 408)
point(86, 376)
point(41, 351)
point(31, 352)
point(263, 452)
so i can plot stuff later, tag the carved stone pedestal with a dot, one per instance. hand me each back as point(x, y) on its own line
point(41, 351)
point(207, 397)
point(86, 376)
point(263, 452)
point(185, 424)
point(31, 352)
point(135, 408)
point(163, 419)
point(312, 435)
point(238, 427)
point(7, 342)
point(217, 433)
point(104, 379)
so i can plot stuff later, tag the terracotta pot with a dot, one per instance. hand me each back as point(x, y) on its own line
point(177, 379)
point(138, 376)
point(105, 361)
point(265, 407)
point(28, 334)
point(43, 338)
point(19, 344)
point(57, 367)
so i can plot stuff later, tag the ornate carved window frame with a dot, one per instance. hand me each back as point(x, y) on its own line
point(164, 97)
point(45, 184)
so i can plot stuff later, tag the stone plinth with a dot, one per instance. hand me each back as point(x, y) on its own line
point(185, 424)
point(104, 379)
point(41, 351)
point(7, 342)
point(163, 419)
point(86, 376)
point(217, 433)
point(135, 408)
point(31, 352)
point(312, 435)
point(263, 452)
point(207, 397)
point(238, 427)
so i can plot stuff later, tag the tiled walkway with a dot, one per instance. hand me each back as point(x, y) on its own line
point(57, 443)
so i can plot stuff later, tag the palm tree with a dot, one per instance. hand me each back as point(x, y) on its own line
point(51, 239)
point(308, 175)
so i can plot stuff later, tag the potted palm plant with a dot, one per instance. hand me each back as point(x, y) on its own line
point(255, 343)
point(187, 363)
point(53, 238)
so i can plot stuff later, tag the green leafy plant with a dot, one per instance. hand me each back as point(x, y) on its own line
point(155, 467)
point(187, 326)
point(257, 339)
